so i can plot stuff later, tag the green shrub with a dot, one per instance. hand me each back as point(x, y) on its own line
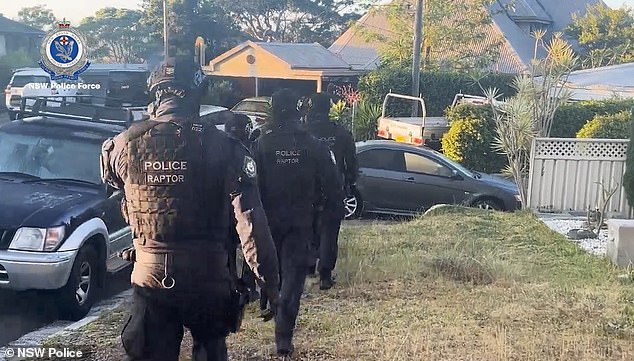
point(224, 93)
point(470, 138)
point(611, 126)
point(365, 120)
point(570, 118)
point(438, 88)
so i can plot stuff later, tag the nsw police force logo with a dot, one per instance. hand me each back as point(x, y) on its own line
point(64, 53)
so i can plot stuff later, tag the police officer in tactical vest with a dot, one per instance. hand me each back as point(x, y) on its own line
point(185, 185)
point(341, 143)
point(293, 165)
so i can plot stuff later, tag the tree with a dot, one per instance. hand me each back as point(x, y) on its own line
point(292, 20)
point(118, 36)
point(189, 19)
point(38, 17)
point(606, 35)
point(529, 113)
point(456, 34)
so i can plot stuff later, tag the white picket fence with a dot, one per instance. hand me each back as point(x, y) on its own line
point(565, 174)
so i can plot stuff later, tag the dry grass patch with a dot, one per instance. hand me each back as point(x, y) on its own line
point(462, 284)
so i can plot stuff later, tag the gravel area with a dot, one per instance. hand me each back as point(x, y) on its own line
point(595, 246)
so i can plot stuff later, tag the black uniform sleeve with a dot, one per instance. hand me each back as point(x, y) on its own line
point(350, 158)
point(112, 162)
point(252, 225)
point(329, 181)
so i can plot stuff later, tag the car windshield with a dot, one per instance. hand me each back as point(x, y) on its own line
point(20, 81)
point(251, 106)
point(50, 157)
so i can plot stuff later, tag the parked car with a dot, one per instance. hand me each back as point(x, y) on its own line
point(403, 179)
point(61, 228)
point(214, 115)
point(33, 82)
point(255, 108)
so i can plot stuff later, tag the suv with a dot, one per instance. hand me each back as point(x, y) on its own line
point(32, 82)
point(61, 228)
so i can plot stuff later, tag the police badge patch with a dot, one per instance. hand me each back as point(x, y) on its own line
point(249, 167)
point(64, 53)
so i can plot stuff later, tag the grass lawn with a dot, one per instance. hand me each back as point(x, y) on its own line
point(461, 284)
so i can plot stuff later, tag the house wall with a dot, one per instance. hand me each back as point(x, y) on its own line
point(565, 173)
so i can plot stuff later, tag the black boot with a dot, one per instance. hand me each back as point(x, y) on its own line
point(326, 282)
point(311, 271)
point(284, 345)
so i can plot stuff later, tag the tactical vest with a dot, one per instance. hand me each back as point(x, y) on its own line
point(165, 190)
point(287, 173)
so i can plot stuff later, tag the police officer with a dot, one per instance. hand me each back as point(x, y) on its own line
point(185, 184)
point(293, 165)
point(341, 143)
point(238, 127)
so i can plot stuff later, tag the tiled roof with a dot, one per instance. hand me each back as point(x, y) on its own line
point(509, 21)
point(304, 56)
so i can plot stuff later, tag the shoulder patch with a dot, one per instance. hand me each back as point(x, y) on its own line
point(249, 167)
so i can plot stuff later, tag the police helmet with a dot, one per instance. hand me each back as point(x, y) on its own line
point(319, 103)
point(238, 126)
point(179, 73)
point(285, 105)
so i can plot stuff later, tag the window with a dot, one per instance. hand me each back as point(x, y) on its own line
point(216, 118)
point(252, 106)
point(382, 159)
point(419, 164)
point(49, 156)
point(20, 81)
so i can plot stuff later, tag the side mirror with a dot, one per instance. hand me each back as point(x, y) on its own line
point(455, 175)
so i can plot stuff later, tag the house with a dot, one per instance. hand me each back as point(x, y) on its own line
point(513, 21)
point(261, 68)
point(608, 82)
point(15, 36)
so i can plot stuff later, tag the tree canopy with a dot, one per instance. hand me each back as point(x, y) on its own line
point(118, 36)
point(189, 19)
point(292, 20)
point(37, 16)
point(606, 35)
point(456, 34)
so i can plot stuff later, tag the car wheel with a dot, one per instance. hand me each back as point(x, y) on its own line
point(77, 297)
point(488, 204)
point(353, 206)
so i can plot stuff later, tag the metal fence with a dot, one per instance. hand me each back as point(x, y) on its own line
point(566, 175)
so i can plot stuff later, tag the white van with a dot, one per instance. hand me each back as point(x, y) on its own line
point(29, 82)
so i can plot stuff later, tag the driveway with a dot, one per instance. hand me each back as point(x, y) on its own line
point(21, 313)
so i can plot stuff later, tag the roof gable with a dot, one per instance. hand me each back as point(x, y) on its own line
point(8, 26)
point(512, 19)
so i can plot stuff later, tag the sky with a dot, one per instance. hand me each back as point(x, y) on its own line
point(75, 10)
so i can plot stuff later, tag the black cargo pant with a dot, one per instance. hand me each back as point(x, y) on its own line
point(154, 329)
point(294, 254)
point(328, 236)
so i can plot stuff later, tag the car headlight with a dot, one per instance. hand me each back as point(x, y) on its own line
point(37, 239)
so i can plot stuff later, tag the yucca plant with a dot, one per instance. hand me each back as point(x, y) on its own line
point(365, 120)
